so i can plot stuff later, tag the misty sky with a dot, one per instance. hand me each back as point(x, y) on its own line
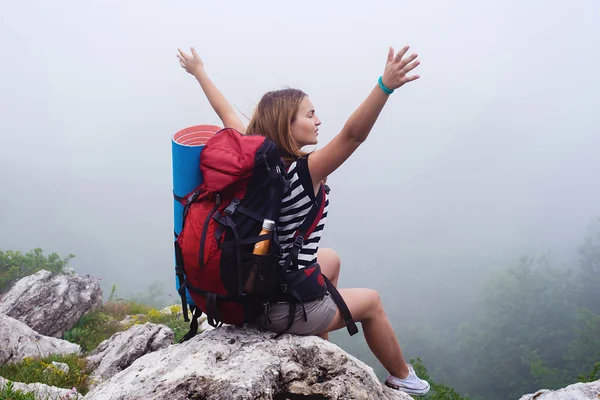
point(493, 153)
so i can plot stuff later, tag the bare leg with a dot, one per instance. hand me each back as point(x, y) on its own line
point(365, 307)
point(330, 264)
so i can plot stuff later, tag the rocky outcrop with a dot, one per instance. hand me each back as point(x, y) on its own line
point(51, 303)
point(18, 341)
point(246, 363)
point(577, 391)
point(123, 348)
point(225, 363)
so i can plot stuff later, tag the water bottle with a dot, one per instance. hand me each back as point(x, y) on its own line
point(260, 249)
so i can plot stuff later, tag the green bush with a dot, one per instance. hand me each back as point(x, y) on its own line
point(15, 265)
point(7, 393)
point(438, 391)
point(99, 325)
point(93, 328)
point(174, 321)
point(592, 377)
point(32, 370)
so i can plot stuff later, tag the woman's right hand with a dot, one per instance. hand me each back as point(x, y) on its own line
point(323, 162)
point(191, 63)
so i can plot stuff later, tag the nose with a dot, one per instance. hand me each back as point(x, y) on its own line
point(317, 121)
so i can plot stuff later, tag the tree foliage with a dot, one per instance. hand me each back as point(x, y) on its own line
point(536, 326)
point(15, 265)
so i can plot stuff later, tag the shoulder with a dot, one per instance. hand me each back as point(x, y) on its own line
point(298, 170)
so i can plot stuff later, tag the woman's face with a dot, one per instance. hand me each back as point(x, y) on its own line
point(305, 128)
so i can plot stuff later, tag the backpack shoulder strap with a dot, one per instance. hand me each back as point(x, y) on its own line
point(306, 229)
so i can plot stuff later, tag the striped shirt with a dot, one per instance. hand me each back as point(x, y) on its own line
point(295, 205)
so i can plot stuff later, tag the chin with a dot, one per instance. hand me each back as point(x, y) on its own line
point(309, 143)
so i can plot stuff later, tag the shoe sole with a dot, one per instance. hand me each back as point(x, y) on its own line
point(407, 390)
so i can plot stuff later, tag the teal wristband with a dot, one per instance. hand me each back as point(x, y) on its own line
point(382, 86)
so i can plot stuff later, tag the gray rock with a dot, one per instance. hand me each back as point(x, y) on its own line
point(577, 391)
point(169, 310)
point(18, 341)
point(43, 392)
point(51, 304)
point(57, 366)
point(131, 319)
point(246, 363)
point(123, 348)
point(203, 325)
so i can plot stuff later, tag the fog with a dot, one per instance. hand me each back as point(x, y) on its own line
point(491, 155)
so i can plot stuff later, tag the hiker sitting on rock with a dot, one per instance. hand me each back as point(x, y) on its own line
point(287, 117)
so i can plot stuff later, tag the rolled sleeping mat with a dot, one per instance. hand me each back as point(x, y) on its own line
point(187, 144)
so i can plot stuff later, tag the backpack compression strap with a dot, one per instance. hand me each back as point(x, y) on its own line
point(179, 268)
point(196, 313)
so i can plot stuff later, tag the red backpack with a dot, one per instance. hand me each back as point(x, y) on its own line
point(244, 183)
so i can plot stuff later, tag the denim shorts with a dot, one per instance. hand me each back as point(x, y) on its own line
point(319, 314)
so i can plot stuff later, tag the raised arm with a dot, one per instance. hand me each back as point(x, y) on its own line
point(323, 162)
point(194, 65)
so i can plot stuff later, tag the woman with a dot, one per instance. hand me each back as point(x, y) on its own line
point(288, 118)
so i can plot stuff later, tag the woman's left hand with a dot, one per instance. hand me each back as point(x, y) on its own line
point(397, 68)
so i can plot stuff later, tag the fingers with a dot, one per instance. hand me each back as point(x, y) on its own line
point(183, 58)
point(411, 78)
point(401, 54)
point(399, 66)
point(183, 54)
point(390, 57)
point(411, 66)
point(194, 52)
point(408, 60)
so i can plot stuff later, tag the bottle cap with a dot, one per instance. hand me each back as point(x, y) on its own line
point(268, 224)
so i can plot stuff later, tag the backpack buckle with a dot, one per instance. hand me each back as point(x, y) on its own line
point(232, 207)
point(299, 241)
point(192, 196)
point(182, 288)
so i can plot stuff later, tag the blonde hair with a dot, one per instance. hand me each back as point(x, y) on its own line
point(273, 118)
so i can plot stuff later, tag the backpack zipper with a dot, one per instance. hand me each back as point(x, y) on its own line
point(205, 228)
point(266, 162)
point(277, 169)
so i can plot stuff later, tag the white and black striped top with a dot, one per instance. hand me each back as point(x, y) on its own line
point(295, 205)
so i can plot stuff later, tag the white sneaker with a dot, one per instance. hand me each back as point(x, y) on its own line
point(412, 384)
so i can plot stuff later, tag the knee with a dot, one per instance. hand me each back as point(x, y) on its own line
point(374, 300)
point(336, 263)
point(331, 259)
point(369, 307)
